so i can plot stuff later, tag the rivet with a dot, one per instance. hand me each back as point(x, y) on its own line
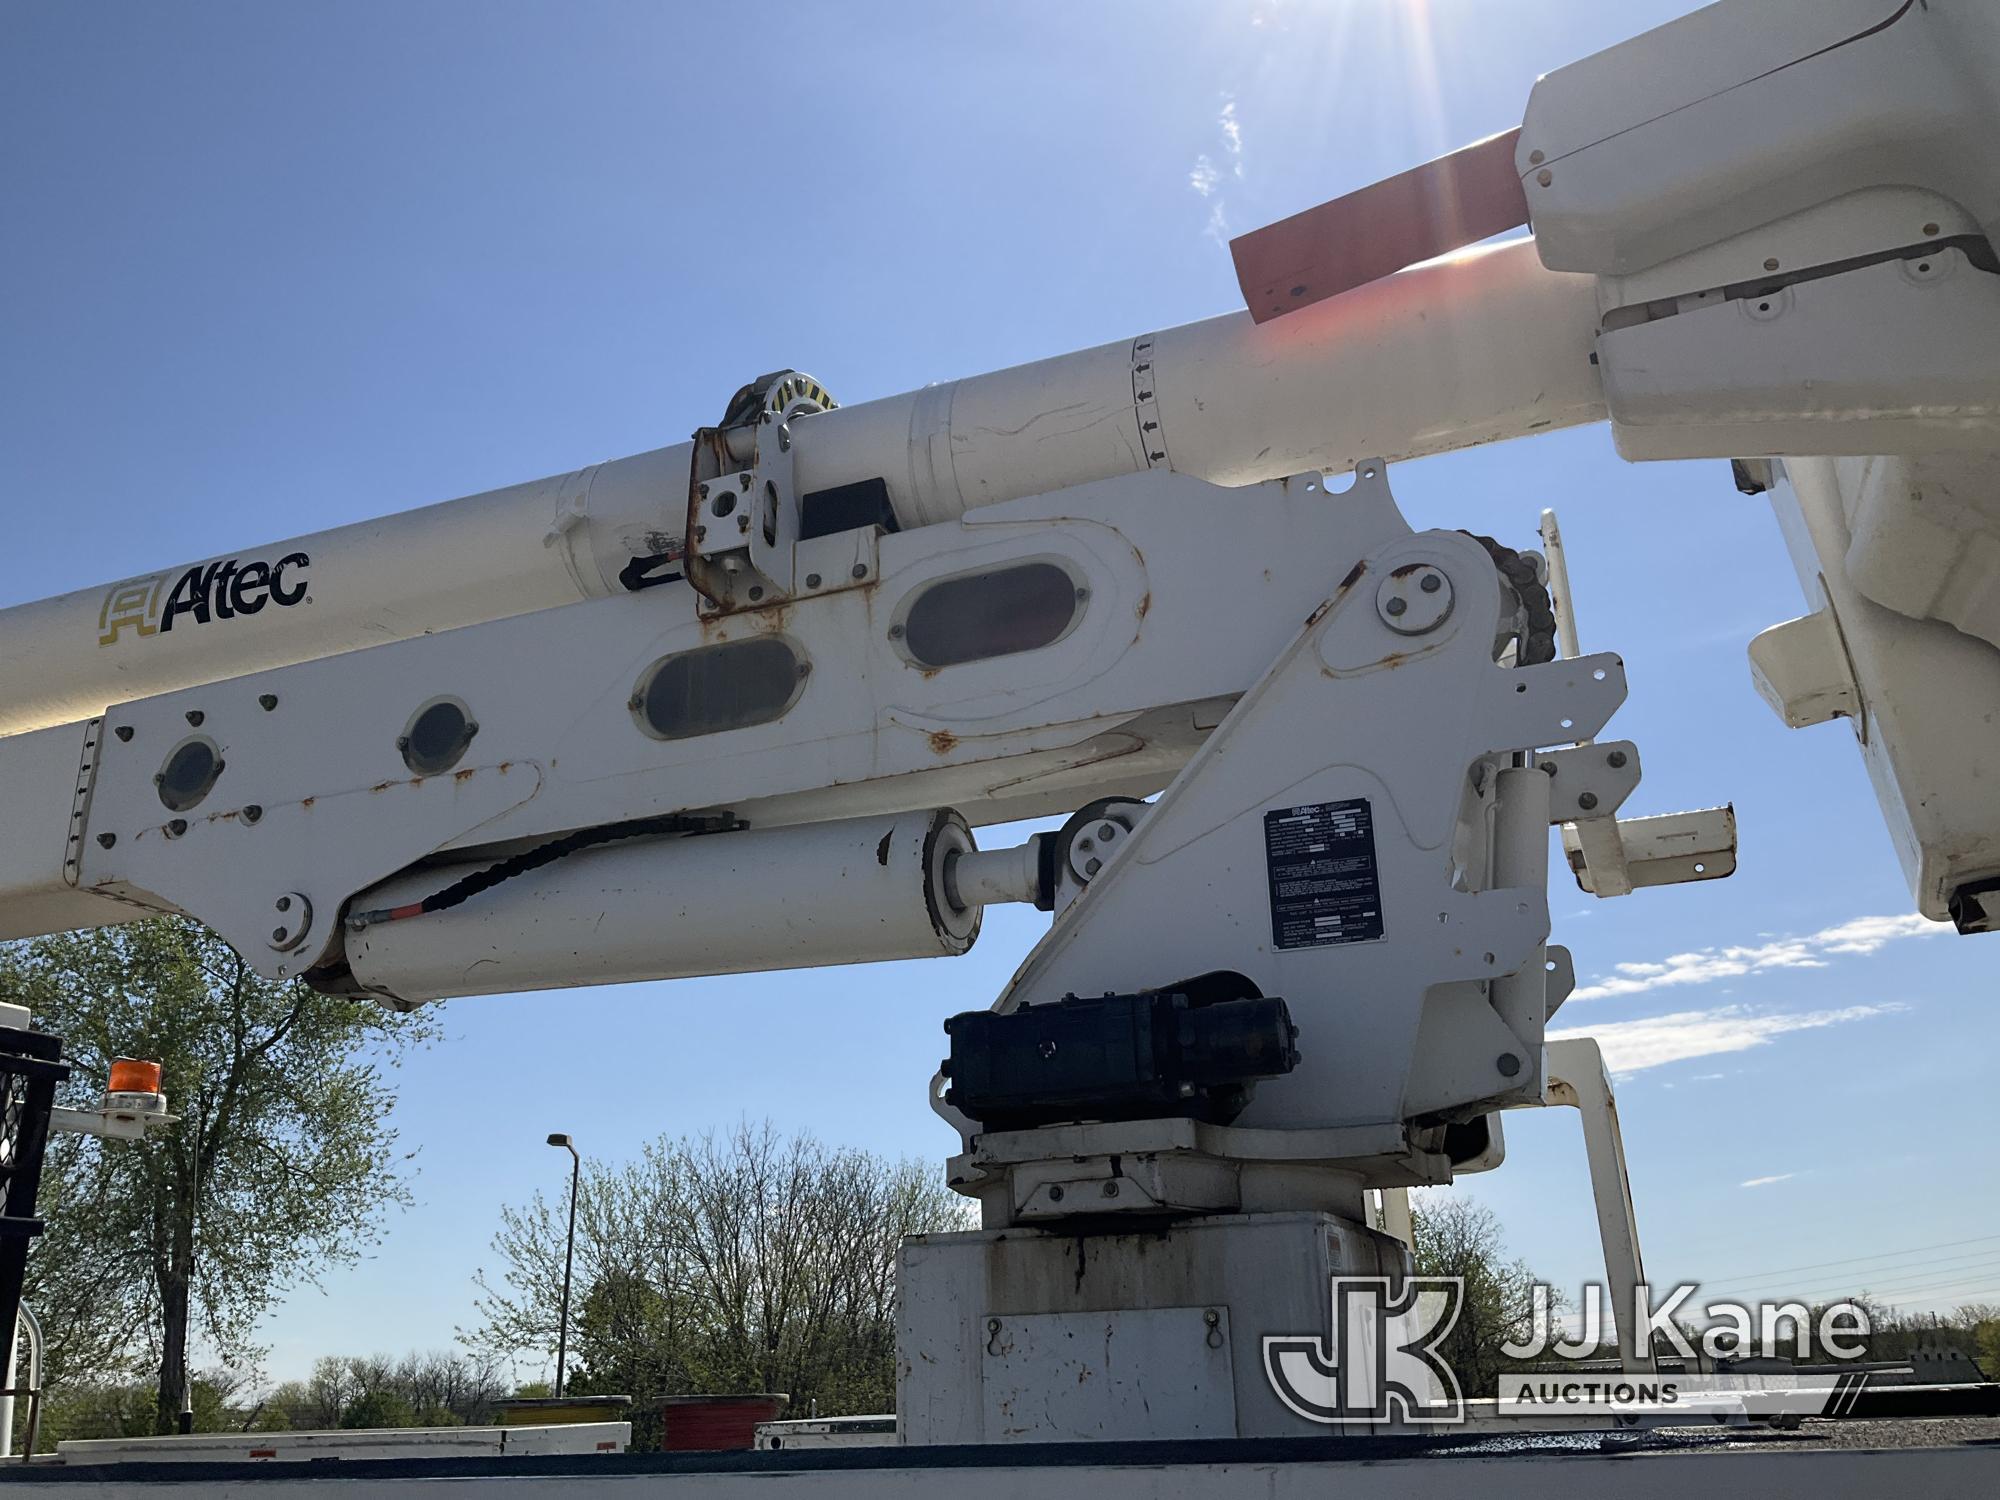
point(1396, 605)
point(1056, 1193)
point(812, 580)
point(1771, 263)
point(1545, 177)
point(859, 570)
point(1536, 158)
point(1430, 583)
point(1586, 800)
point(1616, 760)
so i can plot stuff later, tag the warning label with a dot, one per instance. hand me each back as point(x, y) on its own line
point(1321, 861)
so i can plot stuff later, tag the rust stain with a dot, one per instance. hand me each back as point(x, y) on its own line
point(943, 741)
point(381, 786)
point(466, 775)
point(305, 803)
point(1353, 577)
point(1146, 604)
point(1393, 660)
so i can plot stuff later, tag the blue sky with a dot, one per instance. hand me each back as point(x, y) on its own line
point(267, 269)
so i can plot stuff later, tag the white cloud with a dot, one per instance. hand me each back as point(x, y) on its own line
point(1232, 133)
point(1204, 176)
point(1767, 1181)
point(1633, 1046)
point(1217, 227)
point(1862, 935)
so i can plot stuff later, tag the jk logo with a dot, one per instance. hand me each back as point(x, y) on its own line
point(1383, 1365)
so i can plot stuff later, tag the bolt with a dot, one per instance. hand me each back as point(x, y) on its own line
point(1508, 1064)
point(1056, 1193)
point(1616, 760)
point(194, 718)
point(1397, 605)
point(123, 731)
point(895, 632)
point(284, 903)
point(1545, 177)
point(106, 840)
point(1536, 158)
point(1111, 1190)
point(812, 580)
point(252, 813)
point(278, 934)
point(1586, 800)
point(267, 701)
point(1106, 831)
point(177, 827)
point(756, 593)
point(1212, 1318)
point(701, 492)
point(992, 1325)
point(859, 570)
point(1431, 583)
point(1771, 264)
point(1082, 596)
point(1092, 866)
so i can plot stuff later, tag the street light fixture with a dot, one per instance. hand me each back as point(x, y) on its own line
point(569, 1258)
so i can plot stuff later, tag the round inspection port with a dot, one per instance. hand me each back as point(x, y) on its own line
point(436, 737)
point(189, 773)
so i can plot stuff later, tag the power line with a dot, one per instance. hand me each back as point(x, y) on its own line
point(1752, 1277)
point(1882, 1276)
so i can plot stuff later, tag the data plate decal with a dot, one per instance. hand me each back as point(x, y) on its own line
point(1321, 862)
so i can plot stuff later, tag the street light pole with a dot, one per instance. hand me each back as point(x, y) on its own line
point(569, 1258)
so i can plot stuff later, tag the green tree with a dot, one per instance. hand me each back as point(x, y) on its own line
point(282, 1163)
point(1458, 1237)
point(741, 1262)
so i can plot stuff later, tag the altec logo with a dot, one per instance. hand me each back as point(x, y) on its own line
point(219, 590)
point(1382, 1364)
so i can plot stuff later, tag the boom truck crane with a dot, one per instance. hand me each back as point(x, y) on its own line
point(741, 703)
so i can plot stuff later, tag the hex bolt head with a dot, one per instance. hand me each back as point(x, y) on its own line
point(1586, 800)
point(1092, 866)
point(1396, 605)
point(859, 570)
point(1431, 583)
point(1616, 760)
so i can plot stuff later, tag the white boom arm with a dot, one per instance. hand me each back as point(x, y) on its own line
point(1760, 233)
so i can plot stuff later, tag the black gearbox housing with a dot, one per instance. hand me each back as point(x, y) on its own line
point(1192, 1051)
